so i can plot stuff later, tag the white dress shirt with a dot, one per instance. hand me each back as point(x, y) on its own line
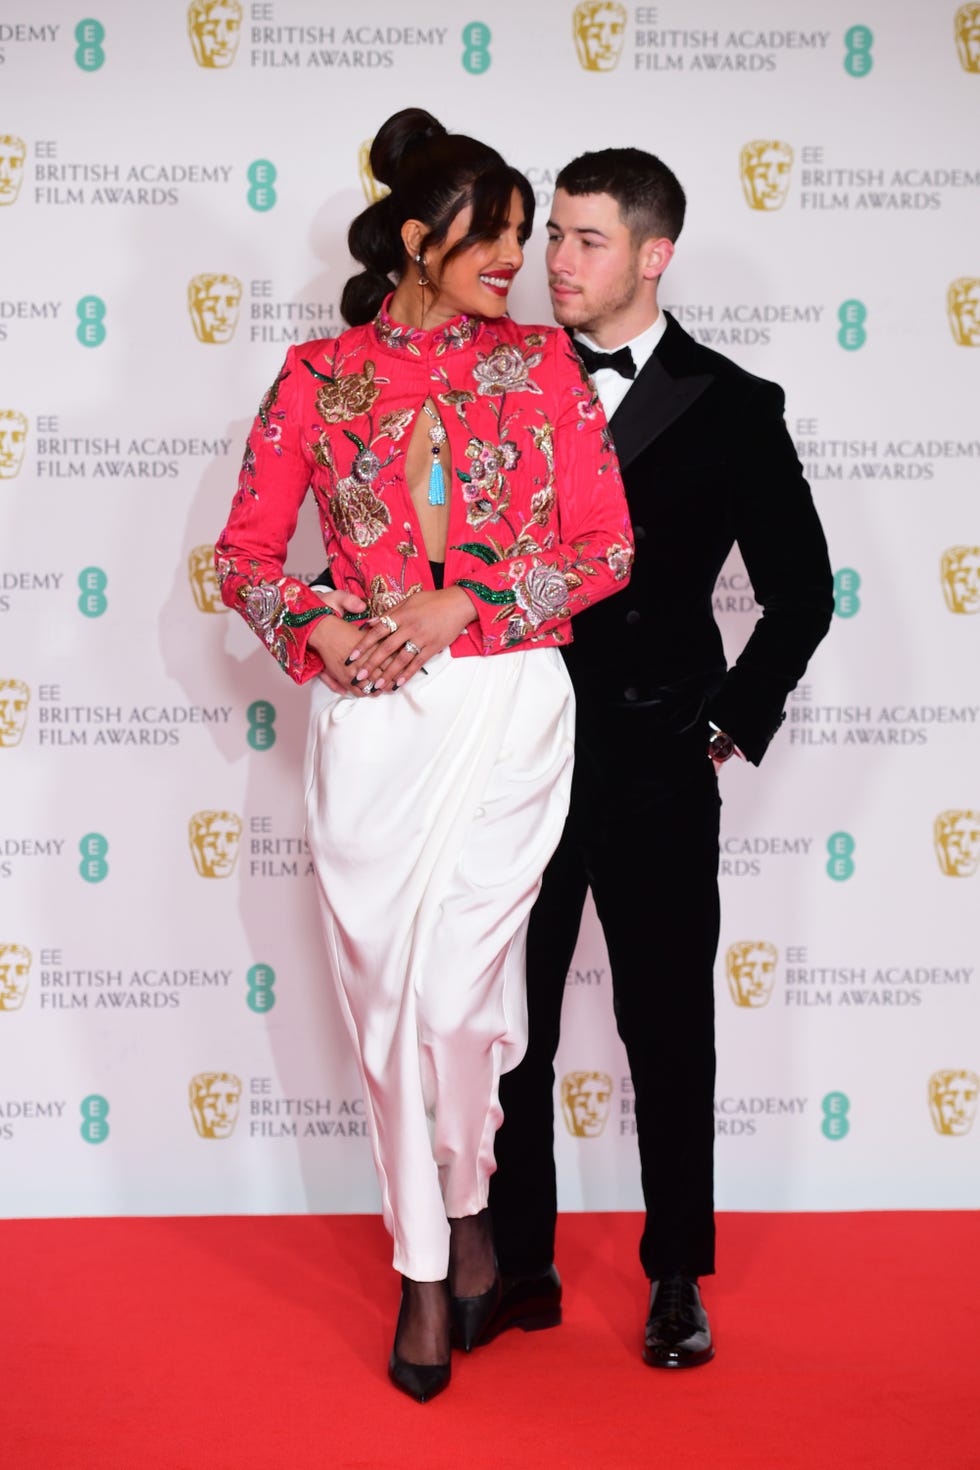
point(611, 386)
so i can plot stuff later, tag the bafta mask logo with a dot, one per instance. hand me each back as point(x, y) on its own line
point(963, 306)
point(215, 840)
point(13, 154)
point(957, 836)
point(751, 968)
point(960, 574)
point(13, 438)
point(214, 1099)
point(953, 1101)
point(585, 1100)
point(967, 27)
point(766, 165)
point(213, 303)
point(14, 700)
point(204, 580)
point(214, 27)
point(373, 191)
point(15, 973)
point(599, 27)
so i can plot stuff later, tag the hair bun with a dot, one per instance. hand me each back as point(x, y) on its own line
point(401, 135)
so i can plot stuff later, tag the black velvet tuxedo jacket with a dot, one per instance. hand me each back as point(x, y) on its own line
point(707, 461)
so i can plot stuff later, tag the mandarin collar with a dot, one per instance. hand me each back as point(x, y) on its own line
point(451, 336)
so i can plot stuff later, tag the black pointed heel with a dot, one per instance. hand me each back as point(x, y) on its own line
point(470, 1316)
point(421, 1381)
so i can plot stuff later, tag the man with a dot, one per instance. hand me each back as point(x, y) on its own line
point(707, 461)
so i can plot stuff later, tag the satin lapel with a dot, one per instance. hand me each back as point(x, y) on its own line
point(656, 399)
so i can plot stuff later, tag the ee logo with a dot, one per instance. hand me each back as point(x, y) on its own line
point(476, 40)
point(836, 1106)
point(89, 54)
point(262, 176)
point(840, 867)
point(94, 1110)
point(261, 995)
point(261, 724)
point(858, 60)
point(852, 315)
point(91, 321)
point(846, 601)
point(92, 582)
point(93, 866)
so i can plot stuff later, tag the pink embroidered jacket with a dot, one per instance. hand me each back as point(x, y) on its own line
point(538, 525)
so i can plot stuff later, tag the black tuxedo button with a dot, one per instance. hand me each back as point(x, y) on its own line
point(633, 617)
point(631, 695)
point(639, 533)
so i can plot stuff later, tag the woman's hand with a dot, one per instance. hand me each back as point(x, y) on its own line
point(334, 640)
point(393, 648)
point(341, 602)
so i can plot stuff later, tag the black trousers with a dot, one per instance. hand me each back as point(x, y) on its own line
point(643, 833)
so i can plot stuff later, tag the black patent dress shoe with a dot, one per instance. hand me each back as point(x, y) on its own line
point(470, 1315)
point(421, 1381)
point(677, 1333)
point(529, 1302)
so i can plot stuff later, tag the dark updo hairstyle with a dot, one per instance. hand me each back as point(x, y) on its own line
point(432, 175)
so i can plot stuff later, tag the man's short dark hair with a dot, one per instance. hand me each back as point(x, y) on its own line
point(650, 198)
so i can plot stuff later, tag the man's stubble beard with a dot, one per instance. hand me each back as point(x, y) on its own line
point(591, 317)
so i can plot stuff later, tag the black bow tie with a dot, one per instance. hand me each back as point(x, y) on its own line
point(620, 361)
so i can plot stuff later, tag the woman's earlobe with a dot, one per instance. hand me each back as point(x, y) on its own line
point(413, 232)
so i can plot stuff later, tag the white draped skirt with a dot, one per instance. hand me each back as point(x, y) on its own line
point(431, 814)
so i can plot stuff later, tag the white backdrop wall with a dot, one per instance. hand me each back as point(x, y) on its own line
point(175, 188)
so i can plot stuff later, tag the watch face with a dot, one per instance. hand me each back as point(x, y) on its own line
point(721, 746)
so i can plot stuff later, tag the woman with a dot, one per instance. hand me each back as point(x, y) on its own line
point(468, 493)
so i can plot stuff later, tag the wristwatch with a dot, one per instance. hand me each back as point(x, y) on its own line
point(721, 747)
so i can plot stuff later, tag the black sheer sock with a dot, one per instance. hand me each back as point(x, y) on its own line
point(422, 1334)
point(472, 1263)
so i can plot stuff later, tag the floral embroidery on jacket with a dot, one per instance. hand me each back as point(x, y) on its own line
point(246, 475)
point(339, 400)
point(450, 337)
point(620, 559)
point(358, 513)
point(393, 425)
point(265, 609)
point(537, 519)
point(505, 370)
point(269, 399)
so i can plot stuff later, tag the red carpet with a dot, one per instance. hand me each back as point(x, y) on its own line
point(261, 1344)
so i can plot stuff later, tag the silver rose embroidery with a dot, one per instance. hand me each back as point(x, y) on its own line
point(505, 370)
point(542, 594)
